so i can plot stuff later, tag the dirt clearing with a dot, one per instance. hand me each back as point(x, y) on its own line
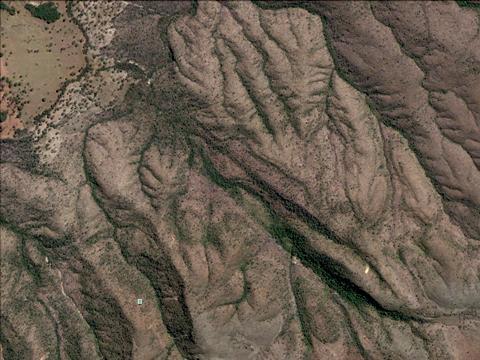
point(37, 59)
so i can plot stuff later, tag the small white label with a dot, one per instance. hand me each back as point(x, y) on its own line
point(139, 301)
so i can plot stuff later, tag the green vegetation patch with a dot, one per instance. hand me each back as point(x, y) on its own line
point(324, 267)
point(46, 11)
point(302, 311)
point(3, 116)
point(13, 345)
point(210, 236)
point(33, 269)
point(331, 272)
point(10, 9)
point(246, 284)
point(470, 4)
point(135, 70)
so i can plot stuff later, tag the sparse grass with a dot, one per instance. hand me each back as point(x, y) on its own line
point(259, 108)
point(13, 346)
point(49, 338)
point(71, 343)
point(43, 77)
point(297, 244)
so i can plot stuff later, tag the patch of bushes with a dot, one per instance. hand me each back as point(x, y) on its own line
point(169, 289)
point(470, 4)
point(104, 315)
point(13, 346)
point(133, 69)
point(46, 11)
point(3, 116)
point(210, 236)
point(9, 9)
point(246, 285)
point(33, 269)
point(302, 311)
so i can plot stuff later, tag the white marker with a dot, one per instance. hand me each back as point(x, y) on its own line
point(139, 301)
point(367, 269)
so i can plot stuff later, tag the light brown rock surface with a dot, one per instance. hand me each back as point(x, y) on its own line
point(279, 180)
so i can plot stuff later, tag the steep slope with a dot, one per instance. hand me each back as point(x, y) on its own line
point(281, 180)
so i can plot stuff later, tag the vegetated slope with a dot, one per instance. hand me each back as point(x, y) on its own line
point(290, 180)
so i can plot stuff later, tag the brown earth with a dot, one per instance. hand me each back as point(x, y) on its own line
point(8, 107)
point(39, 58)
point(275, 180)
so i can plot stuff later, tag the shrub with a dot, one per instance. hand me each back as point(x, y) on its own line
point(47, 11)
point(9, 9)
